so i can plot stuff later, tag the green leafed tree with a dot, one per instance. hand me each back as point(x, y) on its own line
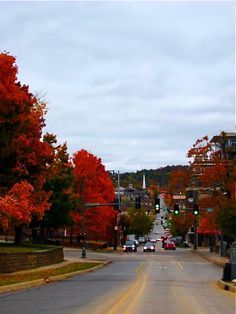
point(140, 222)
point(226, 219)
point(61, 185)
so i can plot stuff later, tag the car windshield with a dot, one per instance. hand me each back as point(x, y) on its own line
point(129, 242)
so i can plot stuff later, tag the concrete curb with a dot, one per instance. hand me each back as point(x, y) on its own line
point(226, 286)
point(210, 259)
point(40, 282)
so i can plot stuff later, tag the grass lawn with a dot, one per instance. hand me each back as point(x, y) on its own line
point(7, 279)
point(12, 248)
point(18, 277)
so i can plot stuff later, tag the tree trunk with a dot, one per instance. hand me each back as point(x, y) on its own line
point(71, 239)
point(19, 234)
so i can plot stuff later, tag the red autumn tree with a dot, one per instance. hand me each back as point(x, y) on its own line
point(93, 185)
point(19, 204)
point(24, 155)
point(181, 223)
point(200, 153)
point(211, 169)
point(178, 182)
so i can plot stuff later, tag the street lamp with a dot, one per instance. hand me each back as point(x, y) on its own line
point(83, 220)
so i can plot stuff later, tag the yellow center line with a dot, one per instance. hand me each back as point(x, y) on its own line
point(132, 294)
point(133, 303)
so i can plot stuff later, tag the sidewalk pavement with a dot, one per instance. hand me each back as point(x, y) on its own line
point(39, 282)
point(214, 258)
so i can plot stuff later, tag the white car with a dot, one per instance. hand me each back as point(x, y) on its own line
point(153, 240)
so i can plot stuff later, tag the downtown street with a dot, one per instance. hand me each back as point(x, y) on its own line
point(172, 282)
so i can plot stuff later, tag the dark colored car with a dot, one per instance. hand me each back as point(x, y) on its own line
point(141, 240)
point(148, 247)
point(169, 245)
point(130, 246)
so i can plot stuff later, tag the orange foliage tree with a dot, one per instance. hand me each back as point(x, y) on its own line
point(212, 170)
point(20, 203)
point(94, 185)
point(178, 182)
point(181, 223)
point(23, 154)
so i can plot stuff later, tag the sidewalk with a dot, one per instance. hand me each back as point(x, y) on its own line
point(39, 282)
point(214, 258)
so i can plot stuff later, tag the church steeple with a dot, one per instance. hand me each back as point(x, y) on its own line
point(144, 182)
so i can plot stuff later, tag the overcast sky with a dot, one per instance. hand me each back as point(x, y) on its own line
point(134, 83)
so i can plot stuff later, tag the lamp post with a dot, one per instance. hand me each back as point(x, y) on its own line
point(83, 220)
point(195, 234)
point(222, 246)
point(116, 215)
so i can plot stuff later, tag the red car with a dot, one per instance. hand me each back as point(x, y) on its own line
point(169, 245)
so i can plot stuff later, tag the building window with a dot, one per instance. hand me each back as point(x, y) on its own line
point(232, 143)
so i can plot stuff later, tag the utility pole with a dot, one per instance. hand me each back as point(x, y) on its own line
point(115, 222)
point(195, 235)
point(83, 220)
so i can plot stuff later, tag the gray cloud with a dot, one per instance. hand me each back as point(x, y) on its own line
point(135, 83)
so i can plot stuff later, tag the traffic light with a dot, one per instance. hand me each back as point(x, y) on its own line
point(176, 209)
point(195, 209)
point(137, 202)
point(157, 205)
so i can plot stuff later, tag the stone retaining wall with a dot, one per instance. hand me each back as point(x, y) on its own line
point(11, 262)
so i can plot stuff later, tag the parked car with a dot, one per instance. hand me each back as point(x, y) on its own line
point(169, 245)
point(177, 239)
point(149, 247)
point(164, 238)
point(130, 246)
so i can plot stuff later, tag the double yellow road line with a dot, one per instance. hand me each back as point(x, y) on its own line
point(127, 301)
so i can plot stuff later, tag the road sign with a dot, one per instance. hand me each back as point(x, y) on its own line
point(179, 197)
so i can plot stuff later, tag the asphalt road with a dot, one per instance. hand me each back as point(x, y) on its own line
point(165, 282)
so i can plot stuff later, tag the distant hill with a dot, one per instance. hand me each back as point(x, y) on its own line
point(157, 176)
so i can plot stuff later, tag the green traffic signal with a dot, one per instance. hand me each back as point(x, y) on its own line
point(195, 210)
point(176, 209)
